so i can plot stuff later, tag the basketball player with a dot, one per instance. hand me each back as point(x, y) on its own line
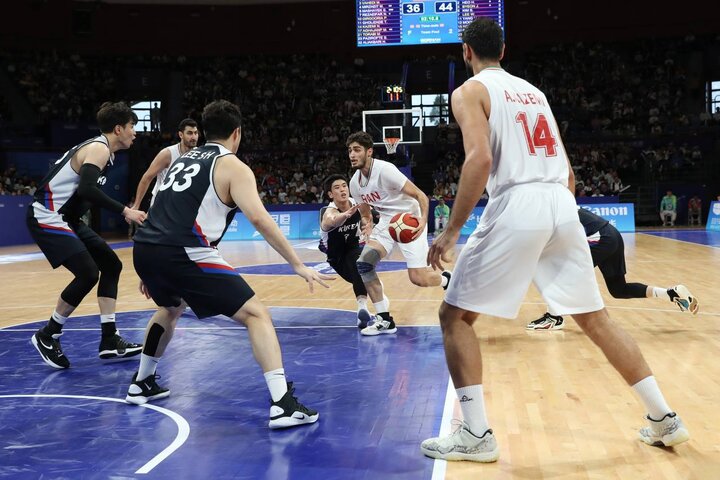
point(188, 134)
point(608, 252)
point(380, 185)
point(176, 257)
point(340, 239)
point(65, 194)
point(529, 231)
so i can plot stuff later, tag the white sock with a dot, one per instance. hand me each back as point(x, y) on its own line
point(110, 317)
point(659, 292)
point(362, 303)
point(382, 306)
point(444, 281)
point(276, 382)
point(147, 367)
point(472, 404)
point(59, 318)
point(650, 394)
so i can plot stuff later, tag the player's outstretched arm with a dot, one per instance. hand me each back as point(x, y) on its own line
point(243, 191)
point(366, 220)
point(333, 217)
point(159, 163)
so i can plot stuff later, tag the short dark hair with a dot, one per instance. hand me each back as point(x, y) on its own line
point(186, 122)
point(220, 118)
point(363, 138)
point(328, 182)
point(485, 37)
point(111, 114)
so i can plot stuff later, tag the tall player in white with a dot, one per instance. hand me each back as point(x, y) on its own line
point(188, 136)
point(380, 184)
point(528, 232)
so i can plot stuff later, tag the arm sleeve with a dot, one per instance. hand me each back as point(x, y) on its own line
point(89, 190)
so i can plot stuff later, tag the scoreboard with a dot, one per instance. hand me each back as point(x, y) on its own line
point(420, 22)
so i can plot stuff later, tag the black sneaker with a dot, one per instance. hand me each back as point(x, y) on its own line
point(288, 412)
point(547, 322)
point(117, 348)
point(49, 348)
point(364, 318)
point(448, 275)
point(146, 390)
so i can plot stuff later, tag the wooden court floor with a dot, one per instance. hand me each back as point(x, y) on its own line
point(557, 408)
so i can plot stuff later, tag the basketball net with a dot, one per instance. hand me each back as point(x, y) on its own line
point(391, 144)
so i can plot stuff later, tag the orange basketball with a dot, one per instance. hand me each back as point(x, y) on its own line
point(401, 227)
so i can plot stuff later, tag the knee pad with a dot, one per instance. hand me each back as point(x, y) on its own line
point(366, 263)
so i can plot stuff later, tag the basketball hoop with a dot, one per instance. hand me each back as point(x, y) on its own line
point(391, 144)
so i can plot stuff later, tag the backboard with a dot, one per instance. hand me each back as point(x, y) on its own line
point(405, 124)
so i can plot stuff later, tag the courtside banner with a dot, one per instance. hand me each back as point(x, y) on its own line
point(713, 221)
point(620, 215)
point(293, 224)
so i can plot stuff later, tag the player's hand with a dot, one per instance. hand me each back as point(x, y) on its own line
point(143, 289)
point(367, 230)
point(137, 216)
point(419, 229)
point(350, 212)
point(442, 249)
point(311, 276)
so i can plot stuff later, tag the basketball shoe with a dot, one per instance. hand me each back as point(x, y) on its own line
point(380, 326)
point(447, 274)
point(142, 391)
point(117, 348)
point(462, 444)
point(668, 431)
point(547, 322)
point(48, 346)
point(288, 412)
point(363, 318)
point(684, 299)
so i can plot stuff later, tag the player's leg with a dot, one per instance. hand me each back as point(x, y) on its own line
point(574, 291)
point(474, 440)
point(46, 340)
point(664, 426)
point(285, 410)
point(112, 345)
point(348, 271)
point(420, 274)
point(373, 251)
point(158, 333)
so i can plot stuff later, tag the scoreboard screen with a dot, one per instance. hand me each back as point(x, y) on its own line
point(419, 22)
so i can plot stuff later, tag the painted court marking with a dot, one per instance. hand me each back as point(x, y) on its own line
point(182, 424)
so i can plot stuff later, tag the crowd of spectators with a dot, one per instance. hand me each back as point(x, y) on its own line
point(609, 100)
point(13, 184)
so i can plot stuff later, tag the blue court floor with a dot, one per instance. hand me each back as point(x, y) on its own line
point(378, 398)
point(700, 236)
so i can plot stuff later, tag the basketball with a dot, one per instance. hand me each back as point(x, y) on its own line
point(401, 227)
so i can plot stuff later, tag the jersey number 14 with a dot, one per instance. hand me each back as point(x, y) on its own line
point(541, 136)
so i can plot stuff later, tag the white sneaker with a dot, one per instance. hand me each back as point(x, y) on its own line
point(684, 299)
point(463, 445)
point(379, 327)
point(668, 431)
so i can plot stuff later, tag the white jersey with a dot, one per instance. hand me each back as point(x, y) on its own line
point(382, 189)
point(524, 138)
point(174, 154)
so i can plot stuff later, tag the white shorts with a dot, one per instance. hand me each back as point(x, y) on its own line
point(531, 232)
point(415, 252)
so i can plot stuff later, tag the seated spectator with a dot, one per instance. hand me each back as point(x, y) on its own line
point(668, 209)
point(694, 210)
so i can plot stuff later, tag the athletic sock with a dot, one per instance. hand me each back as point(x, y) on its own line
point(55, 324)
point(107, 323)
point(650, 394)
point(277, 383)
point(147, 367)
point(472, 404)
